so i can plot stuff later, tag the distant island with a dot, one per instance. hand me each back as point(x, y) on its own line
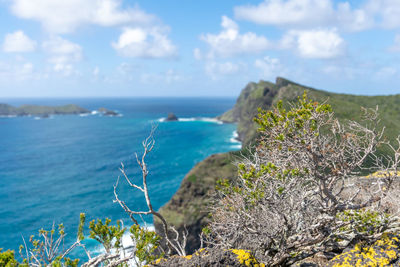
point(42, 111)
point(46, 111)
point(107, 112)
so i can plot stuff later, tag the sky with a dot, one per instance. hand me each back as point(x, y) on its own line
point(118, 48)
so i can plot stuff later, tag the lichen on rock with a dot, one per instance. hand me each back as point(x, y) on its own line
point(384, 252)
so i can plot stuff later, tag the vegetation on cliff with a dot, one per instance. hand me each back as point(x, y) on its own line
point(265, 94)
point(295, 194)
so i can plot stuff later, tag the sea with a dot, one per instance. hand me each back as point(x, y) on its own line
point(52, 169)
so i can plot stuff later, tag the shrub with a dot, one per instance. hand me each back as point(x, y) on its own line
point(288, 202)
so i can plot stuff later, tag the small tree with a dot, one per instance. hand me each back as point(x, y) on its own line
point(296, 194)
point(175, 241)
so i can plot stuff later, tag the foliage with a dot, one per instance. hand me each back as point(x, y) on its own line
point(48, 249)
point(146, 243)
point(109, 236)
point(7, 259)
point(294, 196)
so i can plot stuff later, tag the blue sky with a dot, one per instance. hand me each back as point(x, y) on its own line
point(84, 48)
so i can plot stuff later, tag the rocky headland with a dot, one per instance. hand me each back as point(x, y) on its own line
point(188, 208)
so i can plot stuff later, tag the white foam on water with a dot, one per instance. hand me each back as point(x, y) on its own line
point(186, 119)
point(84, 114)
point(236, 147)
point(234, 140)
point(212, 120)
point(94, 112)
point(127, 244)
point(8, 116)
point(193, 119)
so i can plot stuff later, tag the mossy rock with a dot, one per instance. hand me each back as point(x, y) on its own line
point(384, 252)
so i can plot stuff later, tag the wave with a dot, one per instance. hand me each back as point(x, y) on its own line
point(194, 119)
point(236, 147)
point(235, 138)
point(235, 141)
point(127, 243)
point(8, 116)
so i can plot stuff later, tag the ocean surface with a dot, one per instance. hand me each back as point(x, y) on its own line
point(53, 169)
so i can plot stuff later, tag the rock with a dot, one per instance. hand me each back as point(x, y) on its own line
point(188, 208)
point(211, 257)
point(107, 112)
point(384, 252)
point(45, 116)
point(171, 117)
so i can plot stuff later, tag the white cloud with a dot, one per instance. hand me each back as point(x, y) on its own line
point(345, 72)
point(230, 42)
point(385, 73)
point(396, 46)
point(18, 42)
point(322, 44)
point(24, 71)
point(353, 20)
point(145, 43)
point(197, 54)
point(216, 69)
point(270, 67)
point(96, 71)
point(386, 12)
point(306, 13)
point(62, 54)
point(170, 76)
point(66, 16)
point(292, 12)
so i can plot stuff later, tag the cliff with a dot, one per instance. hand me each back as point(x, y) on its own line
point(188, 207)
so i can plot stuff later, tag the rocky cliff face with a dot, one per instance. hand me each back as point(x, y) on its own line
point(188, 207)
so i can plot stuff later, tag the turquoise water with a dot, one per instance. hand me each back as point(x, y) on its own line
point(53, 169)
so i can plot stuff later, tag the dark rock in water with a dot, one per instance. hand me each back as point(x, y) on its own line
point(107, 112)
point(171, 117)
point(45, 116)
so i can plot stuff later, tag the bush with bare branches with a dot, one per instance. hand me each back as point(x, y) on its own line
point(296, 194)
point(48, 250)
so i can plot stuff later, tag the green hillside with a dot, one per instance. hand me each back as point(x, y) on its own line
point(188, 207)
point(346, 106)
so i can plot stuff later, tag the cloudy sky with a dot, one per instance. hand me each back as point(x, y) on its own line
point(68, 48)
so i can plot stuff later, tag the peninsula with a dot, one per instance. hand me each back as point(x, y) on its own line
point(42, 111)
